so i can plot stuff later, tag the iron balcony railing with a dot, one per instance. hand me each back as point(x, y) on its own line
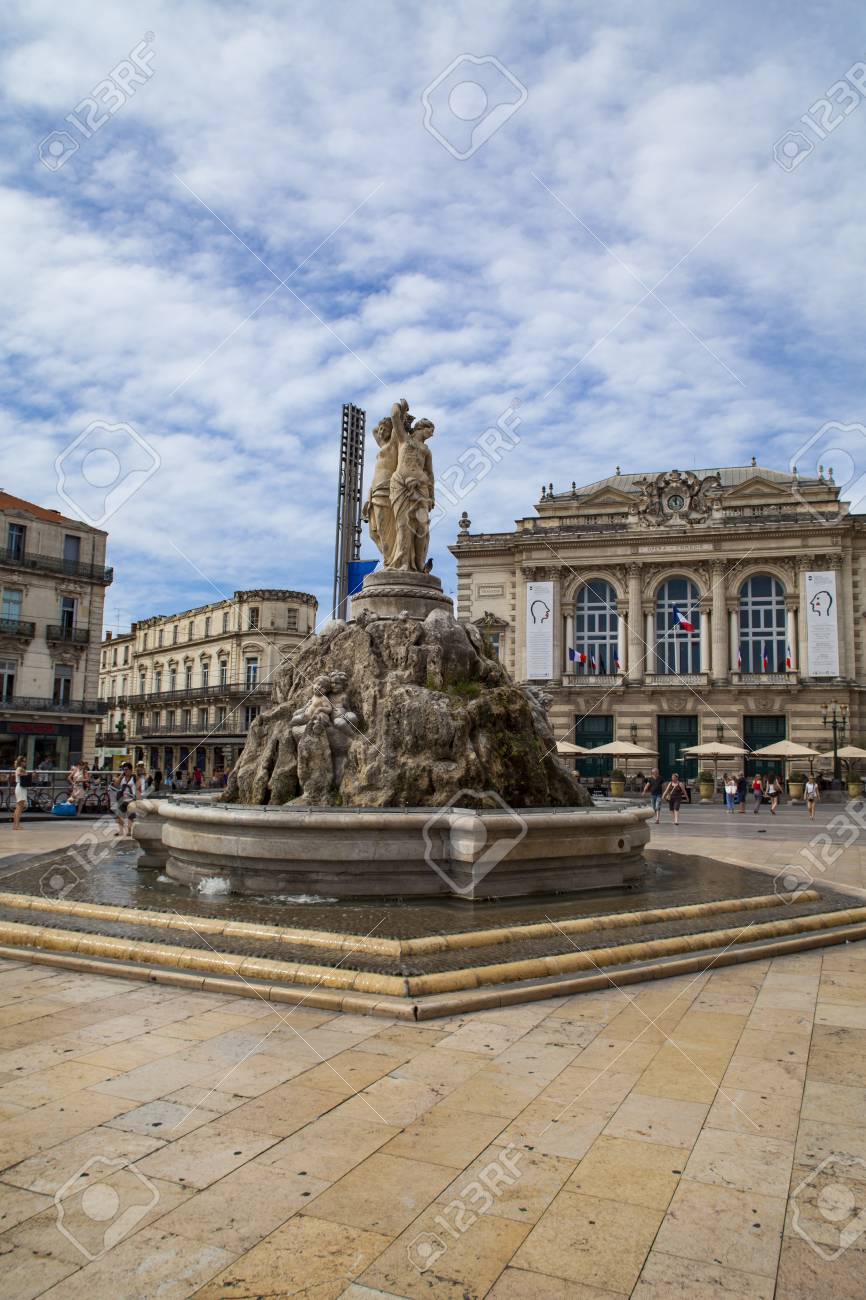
point(17, 627)
point(60, 632)
point(258, 691)
point(193, 729)
point(38, 704)
point(11, 558)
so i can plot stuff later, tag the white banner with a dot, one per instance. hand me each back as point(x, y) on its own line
point(822, 624)
point(539, 630)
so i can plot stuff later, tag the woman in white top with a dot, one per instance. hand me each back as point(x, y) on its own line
point(811, 793)
point(774, 790)
point(20, 793)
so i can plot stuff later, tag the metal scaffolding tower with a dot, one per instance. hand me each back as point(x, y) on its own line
point(348, 539)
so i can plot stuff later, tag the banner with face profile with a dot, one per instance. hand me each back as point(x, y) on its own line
point(539, 631)
point(822, 624)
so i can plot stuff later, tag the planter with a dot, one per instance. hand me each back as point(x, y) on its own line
point(707, 789)
point(617, 789)
point(855, 789)
point(796, 790)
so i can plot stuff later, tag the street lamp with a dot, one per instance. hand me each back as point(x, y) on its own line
point(633, 732)
point(836, 716)
point(720, 732)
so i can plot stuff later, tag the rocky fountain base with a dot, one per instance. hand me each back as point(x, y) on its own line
point(399, 759)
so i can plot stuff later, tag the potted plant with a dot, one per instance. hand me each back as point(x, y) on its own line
point(707, 784)
point(855, 784)
point(617, 783)
point(796, 784)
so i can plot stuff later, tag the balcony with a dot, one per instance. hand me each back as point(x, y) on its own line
point(37, 704)
point(18, 628)
point(670, 681)
point(259, 691)
point(68, 635)
point(765, 679)
point(194, 731)
point(12, 559)
point(605, 681)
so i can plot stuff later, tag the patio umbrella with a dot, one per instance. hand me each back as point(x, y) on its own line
point(789, 751)
point(566, 747)
point(716, 751)
point(850, 753)
point(623, 749)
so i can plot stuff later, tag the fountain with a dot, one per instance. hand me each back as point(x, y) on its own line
point(398, 758)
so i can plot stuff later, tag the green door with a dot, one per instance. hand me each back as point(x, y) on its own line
point(676, 733)
point(593, 730)
point(760, 730)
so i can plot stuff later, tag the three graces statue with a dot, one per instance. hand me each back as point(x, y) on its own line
point(401, 494)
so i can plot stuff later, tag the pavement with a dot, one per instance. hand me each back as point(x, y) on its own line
point(703, 1136)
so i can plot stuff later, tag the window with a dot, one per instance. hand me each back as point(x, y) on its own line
point(159, 637)
point(142, 683)
point(226, 621)
point(292, 619)
point(187, 677)
point(174, 632)
point(207, 626)
point(596, 629)
point(71, 552)
point(144, 641)
point(169, 717)
point(677, 650)
point(13, 601)
point(16, 535)
point(494, 639)
point(157, 680)
point(221, 714)
point(205, 672)
point(125, 655)
point(190, 631)
point(114, 657)
point(187, 719)
point(252, 670)
point(253, 618)
point(202, 719)
point(104, 658)
point(123, 684)
point(224, 672)
point(172, 679)
point(7, 678)
point(67, 614)
point(154, 720)
point(251, 712)
point(763, 625)
point(62, 684)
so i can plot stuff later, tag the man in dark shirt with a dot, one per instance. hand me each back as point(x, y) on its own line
point(654, 787)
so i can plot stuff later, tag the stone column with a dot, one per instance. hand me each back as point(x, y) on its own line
point(568, 665)
point(802, 634)
point(791, 634)
point(648, 649)
point(636, 665)
point(721, 663)
point(734, 618)
point(623, 634)
point(706, 648)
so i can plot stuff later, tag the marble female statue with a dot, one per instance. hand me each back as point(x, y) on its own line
point(411, 489)
point(378, 512)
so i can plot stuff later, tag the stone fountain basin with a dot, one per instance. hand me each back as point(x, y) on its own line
point(394, 853)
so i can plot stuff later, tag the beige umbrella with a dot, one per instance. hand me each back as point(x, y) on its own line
point(566, 747)
point(714, 750)
point(623, 749)
point(850, 753)
point(789, 751)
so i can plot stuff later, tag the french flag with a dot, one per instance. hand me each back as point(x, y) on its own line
point(575, 657)
point(739, 661)
point(766, 658)
point(788, 659)
point(616, 663)
point(593, 665)
point(681, 621)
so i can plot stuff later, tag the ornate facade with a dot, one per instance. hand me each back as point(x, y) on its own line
point(679, 605)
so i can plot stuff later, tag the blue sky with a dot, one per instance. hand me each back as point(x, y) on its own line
point(263, 228)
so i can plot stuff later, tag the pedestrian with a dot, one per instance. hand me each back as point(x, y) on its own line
point(674, 794)
point(812, 794)
point(79, 778)
point(197, 776)
point(654, 787)
point(124, 796)
point(22, 780)
point(773, 792)
point(157, 781)
point(730, 791)
point(758, 792)
point(742, 791)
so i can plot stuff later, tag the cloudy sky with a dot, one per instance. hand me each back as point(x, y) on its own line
point(223, 220)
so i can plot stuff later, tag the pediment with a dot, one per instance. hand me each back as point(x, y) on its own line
point(490, 621)
point(606, 496)
point(755, 489)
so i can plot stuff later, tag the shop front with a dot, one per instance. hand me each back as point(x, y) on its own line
point(37, 742)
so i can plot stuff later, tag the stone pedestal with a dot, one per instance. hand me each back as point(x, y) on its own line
point(388, 592)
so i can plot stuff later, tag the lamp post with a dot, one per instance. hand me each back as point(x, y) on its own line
point(836, 716)
point(720, 732)
point(633, 732)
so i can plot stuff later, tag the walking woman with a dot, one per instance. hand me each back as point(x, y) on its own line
point(675, 794)
point(811, 793)
point(742, 790)
point(21, 782)
point(758, 792)
point(773, 793)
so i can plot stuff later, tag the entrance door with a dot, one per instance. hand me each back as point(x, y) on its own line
point(760, 730)
point(591, 731)
point(676, 733)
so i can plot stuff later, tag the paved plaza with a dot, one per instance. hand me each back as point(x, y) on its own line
point(698, 1136)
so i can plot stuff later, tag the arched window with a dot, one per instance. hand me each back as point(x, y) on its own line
point(596, 629)
point(678, 627)
point(763, 625)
